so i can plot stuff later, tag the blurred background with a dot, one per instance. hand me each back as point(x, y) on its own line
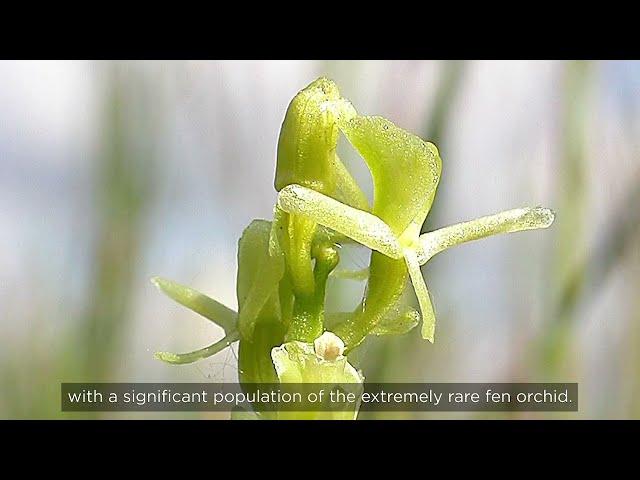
point(113, 172)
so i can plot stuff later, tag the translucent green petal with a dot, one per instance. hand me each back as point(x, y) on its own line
point(405, 169)
point(359, 225)
point(184, 358)
point(426, 308)
point(259, 275)
point(400, 320)
point(504, 222)
point(198, 302)
point(347, 189)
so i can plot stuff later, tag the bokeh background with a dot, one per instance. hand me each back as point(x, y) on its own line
point(113, 172)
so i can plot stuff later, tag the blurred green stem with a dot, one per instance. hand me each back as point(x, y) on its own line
point(123, 182)
point(567, 282)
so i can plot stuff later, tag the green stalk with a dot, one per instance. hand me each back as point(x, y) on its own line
point(124, 184)
point(308, 310)
point(568, 276)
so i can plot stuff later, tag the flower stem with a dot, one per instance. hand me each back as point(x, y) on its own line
point(308, 310)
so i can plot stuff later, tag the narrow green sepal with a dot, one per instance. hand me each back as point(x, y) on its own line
point(186, 358)
point(198, 302)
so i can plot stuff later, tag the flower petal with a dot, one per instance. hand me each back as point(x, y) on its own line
point(359, 225)
point(426, 308)
point(405, 169)
point(515, 220)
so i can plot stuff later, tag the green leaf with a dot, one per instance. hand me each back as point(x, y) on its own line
point(198, 302)
point(259, 275)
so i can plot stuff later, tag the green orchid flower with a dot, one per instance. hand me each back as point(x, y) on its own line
point(321, 363)
point(406, 171)
point(284, 265)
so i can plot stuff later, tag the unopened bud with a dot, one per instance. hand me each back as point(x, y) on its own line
point(328, 346)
